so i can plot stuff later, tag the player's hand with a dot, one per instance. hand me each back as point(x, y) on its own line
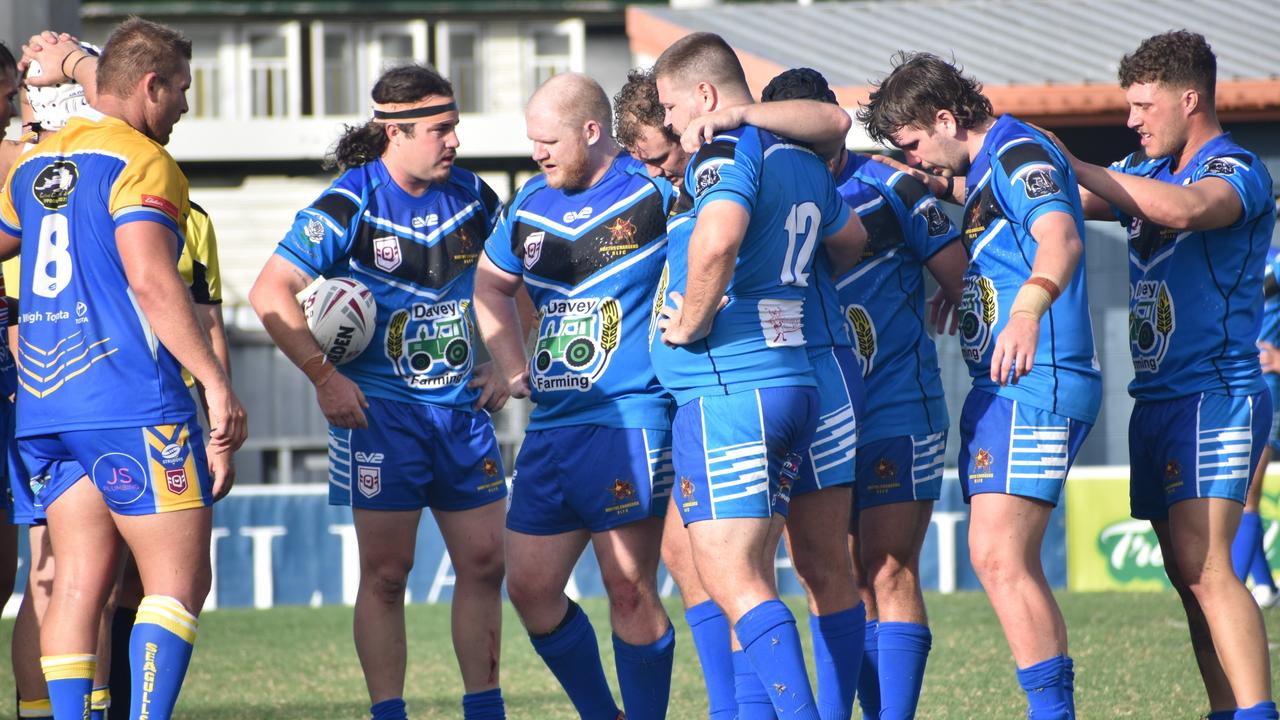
point(936, 182)
point(342, 402)
point(674, 333)
point(493, 390)
point(50, 50)
point(1015, 350)
point(703, 129)
point(518, 385)
point(939, 308)
point(228, 425)
point(222, 469)
point(1269, 357)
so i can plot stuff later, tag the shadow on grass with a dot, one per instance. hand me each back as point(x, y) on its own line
point(419, 708)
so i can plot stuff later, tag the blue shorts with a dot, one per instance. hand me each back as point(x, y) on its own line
point(140, 471)
point(831, 459)
point(737, 456)
point(1012, 448)
point(414, 456)
point(1273, 390)
point(1197, 446)
point(589, 476)
point(900, 469)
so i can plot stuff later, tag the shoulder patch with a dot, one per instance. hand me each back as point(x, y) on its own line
point(939, 223)
point(1226, 164)
point(340, 208)
point(707, 178)
point(909, 190)
point(1024, 153)
point(489, 199)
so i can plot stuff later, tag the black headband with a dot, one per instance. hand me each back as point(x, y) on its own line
point(416, 112)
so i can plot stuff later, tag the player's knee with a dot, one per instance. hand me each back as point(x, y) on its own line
point(387, 582)
point(483, 567)
point(821, 572)
point(891, 576)
point(994, 565)
point(629, 595)
point(527, 590)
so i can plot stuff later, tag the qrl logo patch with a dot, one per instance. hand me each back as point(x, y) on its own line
point(369, 479)
point(533, 249)
point(386, 253)
point(176, 479)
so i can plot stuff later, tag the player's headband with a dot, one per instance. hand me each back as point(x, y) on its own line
point(390, 112)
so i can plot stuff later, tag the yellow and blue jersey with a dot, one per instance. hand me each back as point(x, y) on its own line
point(1018, 176)
point(590, 260)
point(882, 299)
point(1195, 300)
point(87, 356)
point(417, 255)
point(758, 339)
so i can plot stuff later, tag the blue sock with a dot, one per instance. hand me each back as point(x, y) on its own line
point(573, 656)
point(838, 642)
point(644, 675)
point(904, 650)
point(160, 647)
point(752, 700)
point(1261, 711)
point(70, 682)
point(99, 701)
point(484, 705)
point(1259, 568)
point(1221, 715)
point(768, 636)
point(711, 639)
point(869, 676)
point(1050, 687)
point(390, 709)
point(1247, 538)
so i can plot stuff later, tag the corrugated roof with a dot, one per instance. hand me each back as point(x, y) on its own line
point(1001, 42)
point(234, 8)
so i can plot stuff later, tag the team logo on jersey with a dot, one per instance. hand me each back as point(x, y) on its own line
point(314, 230)
point(1152, 320)
point(864, 336)
point(574, 216)
point(1220, 166)
point(978, 313)
point(659, 301)
point(429, 221)
point(176, 480)
point(782, 322)
point(707, 178)
point(686, 487)
point(369, 480)
point(429, 345)
point(577, 337)
point(386, 253)
point(1037, 181)
point(622, 233)
point(981, 465)
point(533, 249)
point(938, 222)
point(53, 185)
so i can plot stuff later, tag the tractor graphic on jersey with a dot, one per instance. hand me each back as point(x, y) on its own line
point(430, 345)
point(1152, 320)
point(576, 338)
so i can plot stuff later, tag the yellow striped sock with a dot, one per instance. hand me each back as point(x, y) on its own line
point(68, 667)
point(169, 614)
point(41, 708)
point(101, 698)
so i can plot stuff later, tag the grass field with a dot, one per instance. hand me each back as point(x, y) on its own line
point(1131, 654)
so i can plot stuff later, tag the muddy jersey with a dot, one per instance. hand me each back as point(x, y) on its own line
point(1018, 176)
point(758, 339)
point(1195, 297)
point(591, 260)
point(88, 358)
point(417, 255)
point(882, 299)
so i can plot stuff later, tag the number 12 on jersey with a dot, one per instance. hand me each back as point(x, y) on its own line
point(802, 224)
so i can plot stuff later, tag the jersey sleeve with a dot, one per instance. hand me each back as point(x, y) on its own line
point(150, 188)
point(200, 258)
point(321, 235)
point(722, 171)
point(835, 211)
point(928, 228)
point(1031, 182)
point(499, 247)
point(1253, 187)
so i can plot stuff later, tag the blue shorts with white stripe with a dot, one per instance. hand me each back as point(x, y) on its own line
point(831, 461)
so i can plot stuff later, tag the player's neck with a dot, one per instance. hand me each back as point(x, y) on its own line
point(408, 183)
point(1199, 133)
point(129, 114)
point(603, 154)
point(975, 136)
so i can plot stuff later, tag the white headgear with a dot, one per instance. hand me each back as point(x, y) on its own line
point(54, 105)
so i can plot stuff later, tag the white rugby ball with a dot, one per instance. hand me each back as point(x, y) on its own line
point(341, 314)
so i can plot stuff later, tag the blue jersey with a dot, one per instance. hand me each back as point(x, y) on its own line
point(1195, 297)
point(88, 358)
point(882, 299)
point(591, 260)
point(1271, 299)
point(758, 339)
point(1018, 176)
point(417, 255)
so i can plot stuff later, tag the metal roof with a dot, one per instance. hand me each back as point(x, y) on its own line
point(233, 8)
point(1001, 42)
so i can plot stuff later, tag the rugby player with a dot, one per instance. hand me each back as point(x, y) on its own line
point(8, 152)
point(1026, 336)
point(1199, 211)
point(73, 433)
point(587, 238)
point(737, 364)
point(1248, 554)
point(409, 426)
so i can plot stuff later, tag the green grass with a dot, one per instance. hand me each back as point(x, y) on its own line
point(1132, 659)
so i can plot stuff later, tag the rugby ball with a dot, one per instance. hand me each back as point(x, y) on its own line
point(341, 314)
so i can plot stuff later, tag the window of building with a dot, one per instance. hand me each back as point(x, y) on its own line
point(334, 70)
point(271, 63)
point(552, 49)
point(458, 51)
point(204, 98)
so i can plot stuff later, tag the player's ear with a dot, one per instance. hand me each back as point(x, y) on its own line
point(591, 131)
point(150, 85)
point(706, 95)
point(945, 121)
point(1190, 101)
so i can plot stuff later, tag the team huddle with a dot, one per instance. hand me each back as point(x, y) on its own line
point(719, 314)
